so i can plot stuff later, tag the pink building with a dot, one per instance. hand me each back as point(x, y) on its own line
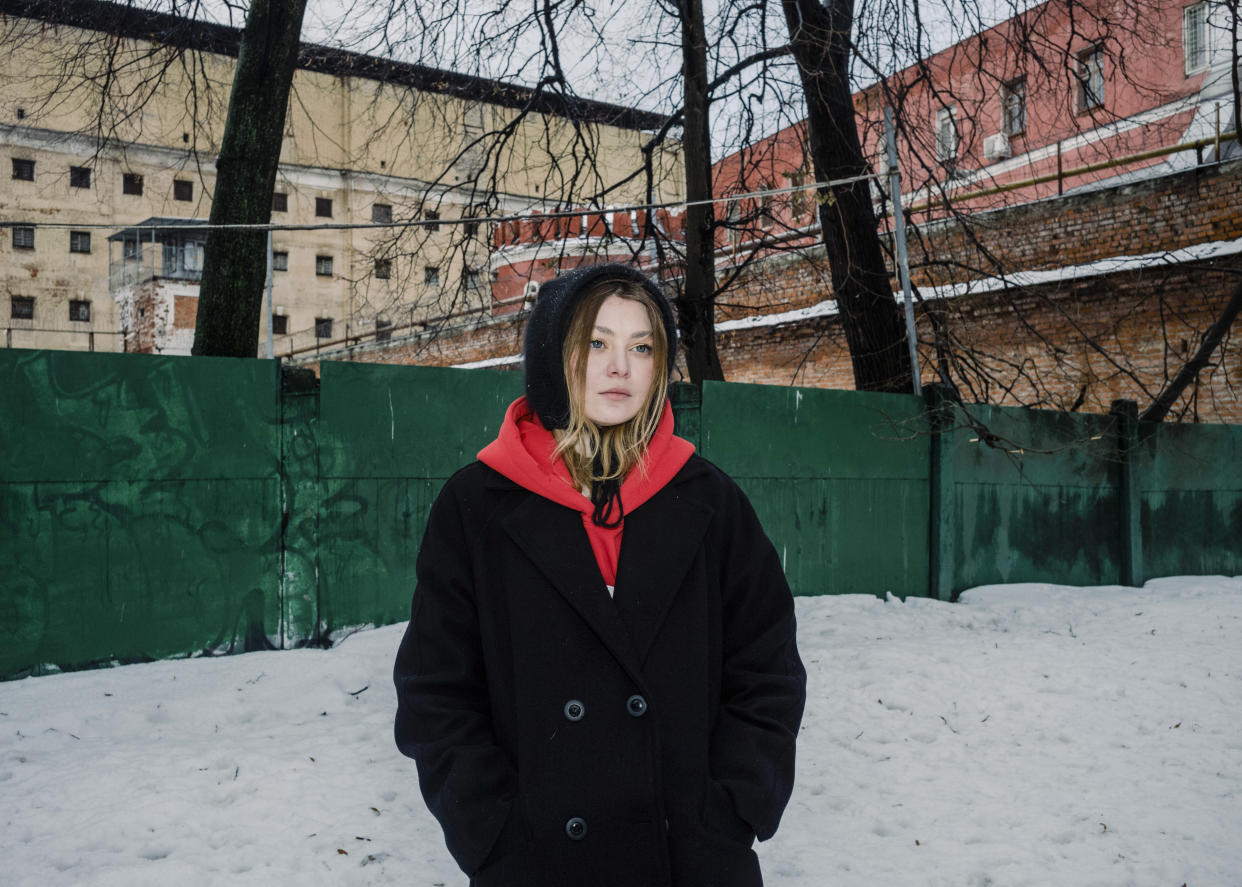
point(536, 248)
point(1055, 99)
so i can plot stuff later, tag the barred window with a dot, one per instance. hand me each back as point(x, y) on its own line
point(79, 241)
point(79, 311)
point(79, 177)
point(183, 189)
point(23, 238)
point(21, 307)
point(1015, 107)
point(280, 202)
point(383, 329)
point(381, 212)
point(432, 216)
point(323, 266)
point(131, 183)
point(23, 169)
point(323, 327)
point(946, 135)
point(431, 275)
point(383, 269)
point(1194, 37)
point(280, 261)
point(1091, 78)
point(280, 324)
point(323, 207)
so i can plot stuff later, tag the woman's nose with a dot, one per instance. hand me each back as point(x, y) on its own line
point(619, 363)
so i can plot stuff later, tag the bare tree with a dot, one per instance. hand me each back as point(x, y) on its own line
point(1073, 52)
point(235, 260)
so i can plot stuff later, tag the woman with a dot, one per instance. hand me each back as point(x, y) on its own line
point(600, 683)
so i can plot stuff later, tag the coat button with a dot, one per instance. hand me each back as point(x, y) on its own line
point(636, 706)
point(576, 828)
point(574, 710)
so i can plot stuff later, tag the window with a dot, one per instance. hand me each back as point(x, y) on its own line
point(801, 200)
point(183, 189)
point(79, 241)
point(280, 261)
point(383, 329)
point(23, 169)
point(323, 207)
point(280, 325)
point(432, 216)
point(1194, 38)
point(946, 136)
point(323, 327)
point(383, 269)
point(431, 275)
point(183, 257)
point(131, 183)
point(79, 177)
point(130, 250)
point(472, 229)
point(1014, 99)
point(323, 266)
point(1091, 78)
point(766, 206)
point(381, 212)
point(732, 222)
point(79, 311)
point(470, 278)
point(23, 238)
point(21, 308)
point(280, 202)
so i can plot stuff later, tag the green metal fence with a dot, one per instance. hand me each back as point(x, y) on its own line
point(139, 506)
point(154, 507)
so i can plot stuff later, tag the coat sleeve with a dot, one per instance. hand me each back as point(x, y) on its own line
point(444, 719)
point(763, 682)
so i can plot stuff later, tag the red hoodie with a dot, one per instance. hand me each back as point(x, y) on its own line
point(522, 452)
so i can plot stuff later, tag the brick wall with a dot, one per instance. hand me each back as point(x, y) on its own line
point(1036, 345)
point(1164, 213)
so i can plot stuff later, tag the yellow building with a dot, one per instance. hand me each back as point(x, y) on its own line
point(110, 119)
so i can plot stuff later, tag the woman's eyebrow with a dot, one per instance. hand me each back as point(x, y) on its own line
point(607, 332)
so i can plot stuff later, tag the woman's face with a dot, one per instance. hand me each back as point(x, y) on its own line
point(620, 364)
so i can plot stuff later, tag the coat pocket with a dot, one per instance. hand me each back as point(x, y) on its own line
point(511, 860)
point(720, 817)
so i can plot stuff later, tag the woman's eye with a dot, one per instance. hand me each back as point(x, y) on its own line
point(643, 349)
point(597, 343)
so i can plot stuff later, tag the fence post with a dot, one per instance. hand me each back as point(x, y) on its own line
point(300, 495)
point(687, 400)
point(942, 519)
point(1125, 415)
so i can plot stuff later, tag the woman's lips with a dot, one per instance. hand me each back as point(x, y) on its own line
point(615, 394)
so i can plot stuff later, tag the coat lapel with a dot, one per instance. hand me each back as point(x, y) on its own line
point(658, 545)
point(553, 537)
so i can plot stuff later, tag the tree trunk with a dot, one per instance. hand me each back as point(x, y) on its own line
point(819, 36)
point(697, 305)
point(235, 261)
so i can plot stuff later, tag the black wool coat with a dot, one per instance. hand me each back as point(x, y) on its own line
point(566, 739)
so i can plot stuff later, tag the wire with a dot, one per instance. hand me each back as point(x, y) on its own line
point(577, 212)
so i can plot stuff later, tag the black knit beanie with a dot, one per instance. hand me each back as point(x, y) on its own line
point(548, 325)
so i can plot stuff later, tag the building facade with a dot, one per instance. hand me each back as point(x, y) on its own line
point(391, 178)
point(1061, 176)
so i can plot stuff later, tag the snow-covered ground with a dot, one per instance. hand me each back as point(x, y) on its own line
point(1031, 734)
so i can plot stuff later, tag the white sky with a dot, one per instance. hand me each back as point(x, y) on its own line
point(627, 52)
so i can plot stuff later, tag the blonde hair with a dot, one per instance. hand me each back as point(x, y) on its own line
point(591, 453)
